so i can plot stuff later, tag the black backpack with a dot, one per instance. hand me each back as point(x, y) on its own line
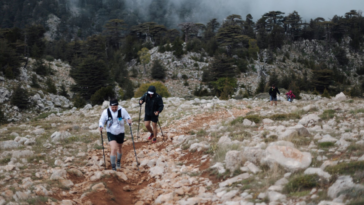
point(109, 116)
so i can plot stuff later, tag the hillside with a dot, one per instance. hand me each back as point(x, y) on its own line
point(216, 152)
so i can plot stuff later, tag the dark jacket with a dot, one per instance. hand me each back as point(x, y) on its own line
point(273, 92)
point(154, 103)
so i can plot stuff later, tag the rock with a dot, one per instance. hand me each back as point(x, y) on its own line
point(247, 122)
point(319, 172)
point(30, 141)
point(309, 120)
point(39, 131)
point(121, 176)
point(164, 198)
point(26, 183)
point(342, 183)
point(9, 167)
point(330, 203)
point(156, 171)
point(233, 160)
point(287, 156)
point(234, 179)
point(128, 188)
point(58, 174)
point(23, 153)
point(2, 200)
point(340, 97)
point(180, 139)
point(97, 175)
point(98, 187)
point(224, 141)
point(21, 195)
point(308, 107)
point(56, 136)
point(275, 196)
point(199, 146)
point(9, 144)
point(66, 183)
point(87, 107)
point(229, 195)
point(254, 169)
point(66, 202)
point(252, 154)
point(220, 168)
point(327, 138)
point(267, 121)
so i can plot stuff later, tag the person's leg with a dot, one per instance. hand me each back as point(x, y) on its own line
point(119, 155)
point(155, 129)
point(147, 125)
point(114, 148)
point(271, 102)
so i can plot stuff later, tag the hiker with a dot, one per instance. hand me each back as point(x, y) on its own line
point(290, 96)
point(153, 107)
point(114, 117)
point(273, 94)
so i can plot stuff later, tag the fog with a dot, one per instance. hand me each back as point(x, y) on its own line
point(204, 10)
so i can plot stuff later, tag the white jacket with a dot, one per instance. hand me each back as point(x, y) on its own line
point(116, 127)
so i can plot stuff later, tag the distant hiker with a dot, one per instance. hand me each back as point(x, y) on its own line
point(290, 96)
point(273, 94)
point(153, 107)
point(114, 117)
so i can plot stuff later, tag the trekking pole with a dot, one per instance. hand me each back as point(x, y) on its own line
point(139, 121)
point(161, 130)
point(136, 158)
point(103, 152)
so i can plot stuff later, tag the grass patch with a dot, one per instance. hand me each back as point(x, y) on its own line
point(361, 110)
point(221, 151)
point(201, 133)
point(324, 145)
point(301, 182)
point(240, 136)
point(253, 118)
point(300, 141)
point(299, 194)
point(271, 138)
point(328, 114)
point(36, 158)
point(285, 116)
point(346, 168)
point(43, 115)
point(5, 160)
point(39, 200)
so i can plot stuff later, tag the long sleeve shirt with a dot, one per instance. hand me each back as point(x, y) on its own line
point(114, 126)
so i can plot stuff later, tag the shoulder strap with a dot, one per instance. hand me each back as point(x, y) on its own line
point(119, 113)
point(109, 114)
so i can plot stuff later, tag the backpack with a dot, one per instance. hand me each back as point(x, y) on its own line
point(109, 116)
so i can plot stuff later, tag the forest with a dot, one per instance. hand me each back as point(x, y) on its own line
point(103, 37)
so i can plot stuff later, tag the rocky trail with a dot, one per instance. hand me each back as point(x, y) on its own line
point(236, 152)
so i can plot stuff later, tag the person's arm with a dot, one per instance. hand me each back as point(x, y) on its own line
point(270, 91)
point(126, 116)
point(102, 120)
point(160, 106)
point(278, 91)
point(142, 99)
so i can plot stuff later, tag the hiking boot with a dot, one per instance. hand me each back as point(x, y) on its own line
point(113, 167)
point(118, 165)
point(151, 136)
point(154, 140)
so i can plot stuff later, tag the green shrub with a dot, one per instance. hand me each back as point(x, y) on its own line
point(35, 83)
point(2, 117)
point(49, 58)
point(161, 49)
point(186, 83)
point(327, 114)
point(161, 89)
point(184, 77)
point(63, 91)
point(326, 144)
point(285, 116)
point(301, 182)
point(20, 98)
point(105, 93)
point(158, 70)
point(346, 168)
point(40, 68)
point(78, 101)
point(326, 94)
point(253, 118)
point(51, 88)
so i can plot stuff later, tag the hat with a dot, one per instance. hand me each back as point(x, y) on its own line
point(114, 102)
point(150, 92)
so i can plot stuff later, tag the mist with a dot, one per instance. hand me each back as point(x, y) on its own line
point(203, 10)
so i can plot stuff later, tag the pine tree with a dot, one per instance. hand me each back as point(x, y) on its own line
point(158, 71)
point(63, 91)
point(20, 98)
point(177, 48)
point(90, 76)
point(2, 117)
point(261, 85)
point(51, 88)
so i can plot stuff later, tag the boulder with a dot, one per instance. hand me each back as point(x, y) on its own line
point(287, 156)
point(9, 144)
point(224, 141)
point(220, 167)
point(58, 174)
point(156, 171)
point(22, 153)
point(327, 138)
point(121, 176)
point(318, 171)
point(341, 184)
point(247, 122)
point(57, 136)
point(98, 187)
point(252, 154)
point(267, 121)
point(199, 146)
point(233, 160)
point(234, 179)
point(252, 167)
point(309, 120)
point(340, 97)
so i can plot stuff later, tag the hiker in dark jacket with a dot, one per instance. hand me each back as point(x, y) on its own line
point(273, 94)
point(153, 107)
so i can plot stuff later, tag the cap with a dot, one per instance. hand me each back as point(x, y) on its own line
point(114, 102)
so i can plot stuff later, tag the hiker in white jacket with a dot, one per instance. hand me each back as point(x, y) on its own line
point(114, 117)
